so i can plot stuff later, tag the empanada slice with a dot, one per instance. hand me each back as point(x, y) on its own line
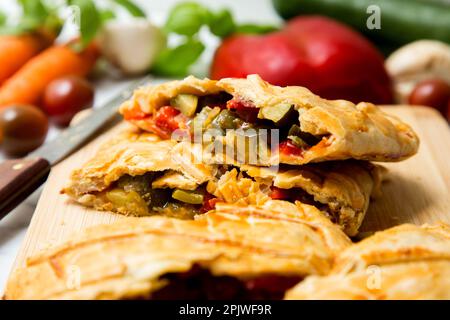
point(300, 125)
point(138, 174)
point(341, 189)
point(231, 253)
point(404, 262)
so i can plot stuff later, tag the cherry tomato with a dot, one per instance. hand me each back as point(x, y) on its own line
point(434, 93)
point(23, 127)
point(64, 97)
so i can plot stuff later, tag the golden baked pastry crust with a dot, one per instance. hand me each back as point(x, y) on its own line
point(342, 188)
point(359, 131)
point(133, 153)
point(404, 262)
point(127, 259)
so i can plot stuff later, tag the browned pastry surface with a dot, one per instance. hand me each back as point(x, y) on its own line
point(359, 131)
point(404, 262)
point(136, 256)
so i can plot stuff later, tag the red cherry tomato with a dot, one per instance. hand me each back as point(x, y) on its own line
point(23, 128)
point(64, 97)
point(434, 93)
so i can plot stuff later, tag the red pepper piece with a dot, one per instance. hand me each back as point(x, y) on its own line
point(288, 148)
point(279, 194)
point(244, 109)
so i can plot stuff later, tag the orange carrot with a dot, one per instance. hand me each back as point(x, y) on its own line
point(28, 84)
point(15, 51)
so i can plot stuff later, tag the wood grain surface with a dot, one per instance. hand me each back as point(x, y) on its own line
point(417, 190)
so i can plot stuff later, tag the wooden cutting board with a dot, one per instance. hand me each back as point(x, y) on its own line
point(417, 190)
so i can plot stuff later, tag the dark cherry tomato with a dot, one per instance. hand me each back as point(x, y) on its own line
point(434, 93)
point(64, 97)
point(23, 127)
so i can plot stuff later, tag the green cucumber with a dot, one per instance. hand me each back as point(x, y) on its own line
point(402, 21)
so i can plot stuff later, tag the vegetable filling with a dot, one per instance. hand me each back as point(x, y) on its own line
point(135, 195)
point(200, 284)
point(221, 112)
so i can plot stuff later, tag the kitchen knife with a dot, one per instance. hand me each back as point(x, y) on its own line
point(20, 177)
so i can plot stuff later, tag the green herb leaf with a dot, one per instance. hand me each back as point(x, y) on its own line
point(175, 62)
point(106, 15)
point(187, 18)
point(33, 9)
point(2, 18)
point(255, 29)
point(221, 23)
point(90, 19)
point(131, 7)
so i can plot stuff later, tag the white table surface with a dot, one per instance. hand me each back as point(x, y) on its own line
point(14, 226)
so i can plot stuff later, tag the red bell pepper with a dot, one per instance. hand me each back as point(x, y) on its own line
point(319, 53)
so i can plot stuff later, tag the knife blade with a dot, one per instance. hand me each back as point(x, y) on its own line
point(20, 177)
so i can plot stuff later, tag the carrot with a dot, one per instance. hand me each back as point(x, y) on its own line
point(15, 51)
point(28, 84)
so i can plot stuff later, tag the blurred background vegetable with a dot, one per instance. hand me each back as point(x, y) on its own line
point(186, 20)
point(15, 51)
point(432, 92)
point(132, 45)
point(415, 62)
point(401, 21)
point(23, 128)
point(321, 54)
point(65, 97)
point(46, 63)
point(28, 84)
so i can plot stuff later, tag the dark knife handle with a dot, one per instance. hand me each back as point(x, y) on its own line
point(18, 179)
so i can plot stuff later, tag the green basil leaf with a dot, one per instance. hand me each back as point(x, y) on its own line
point(2, 18)
point(221, 23)
point(175, 62)
point(255, 29)
point(187, 18)
point(90, 19)
point(106, 15)
point(131, 7)
point(33, 9)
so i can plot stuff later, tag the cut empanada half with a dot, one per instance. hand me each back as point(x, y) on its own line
point(138, 174)
point(342, 190)
point(308, 128)
point(234, 252)
point(404, 262)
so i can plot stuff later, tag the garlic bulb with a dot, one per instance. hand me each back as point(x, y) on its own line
point(131, 45)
